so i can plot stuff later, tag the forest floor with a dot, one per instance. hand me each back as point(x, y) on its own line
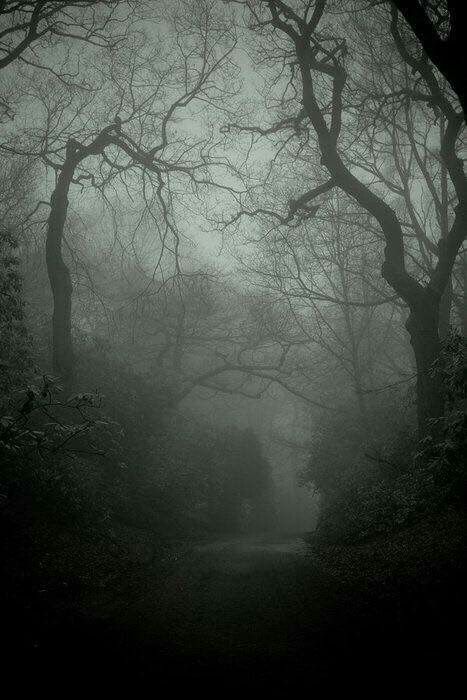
point(252, 613)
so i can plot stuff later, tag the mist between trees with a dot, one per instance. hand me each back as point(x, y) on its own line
point(232, 278)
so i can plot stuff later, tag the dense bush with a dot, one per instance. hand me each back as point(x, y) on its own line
point(119, 455)
point(368, 493)
point(15, 356)
point(109, 477)
point(442, 455)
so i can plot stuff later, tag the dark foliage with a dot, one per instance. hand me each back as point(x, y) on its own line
point(367, 493)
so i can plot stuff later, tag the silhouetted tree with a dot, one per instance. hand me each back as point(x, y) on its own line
point(320, 72)
point(440, 27)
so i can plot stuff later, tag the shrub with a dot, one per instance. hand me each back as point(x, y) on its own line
point(366, 495)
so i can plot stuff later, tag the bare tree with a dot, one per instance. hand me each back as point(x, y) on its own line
point(319, 66)
point(323, 277)
point(149, 90)
point(39, 34)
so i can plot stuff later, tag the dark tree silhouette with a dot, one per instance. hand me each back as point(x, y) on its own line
point(319, 71)
point(440, 27)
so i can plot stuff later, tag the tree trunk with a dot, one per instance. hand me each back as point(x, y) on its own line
point(445, 310)
point(60, 281)
point(447, 295)
point(63, 362)
point(422, 326)
point(423, 301)
point(447, 54)
point(463, 301)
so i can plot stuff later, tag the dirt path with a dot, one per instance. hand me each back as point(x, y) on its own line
point(246, 614)
point(241, 605)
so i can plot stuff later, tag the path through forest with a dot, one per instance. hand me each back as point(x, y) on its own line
point(247, 614)
point(246, 610)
